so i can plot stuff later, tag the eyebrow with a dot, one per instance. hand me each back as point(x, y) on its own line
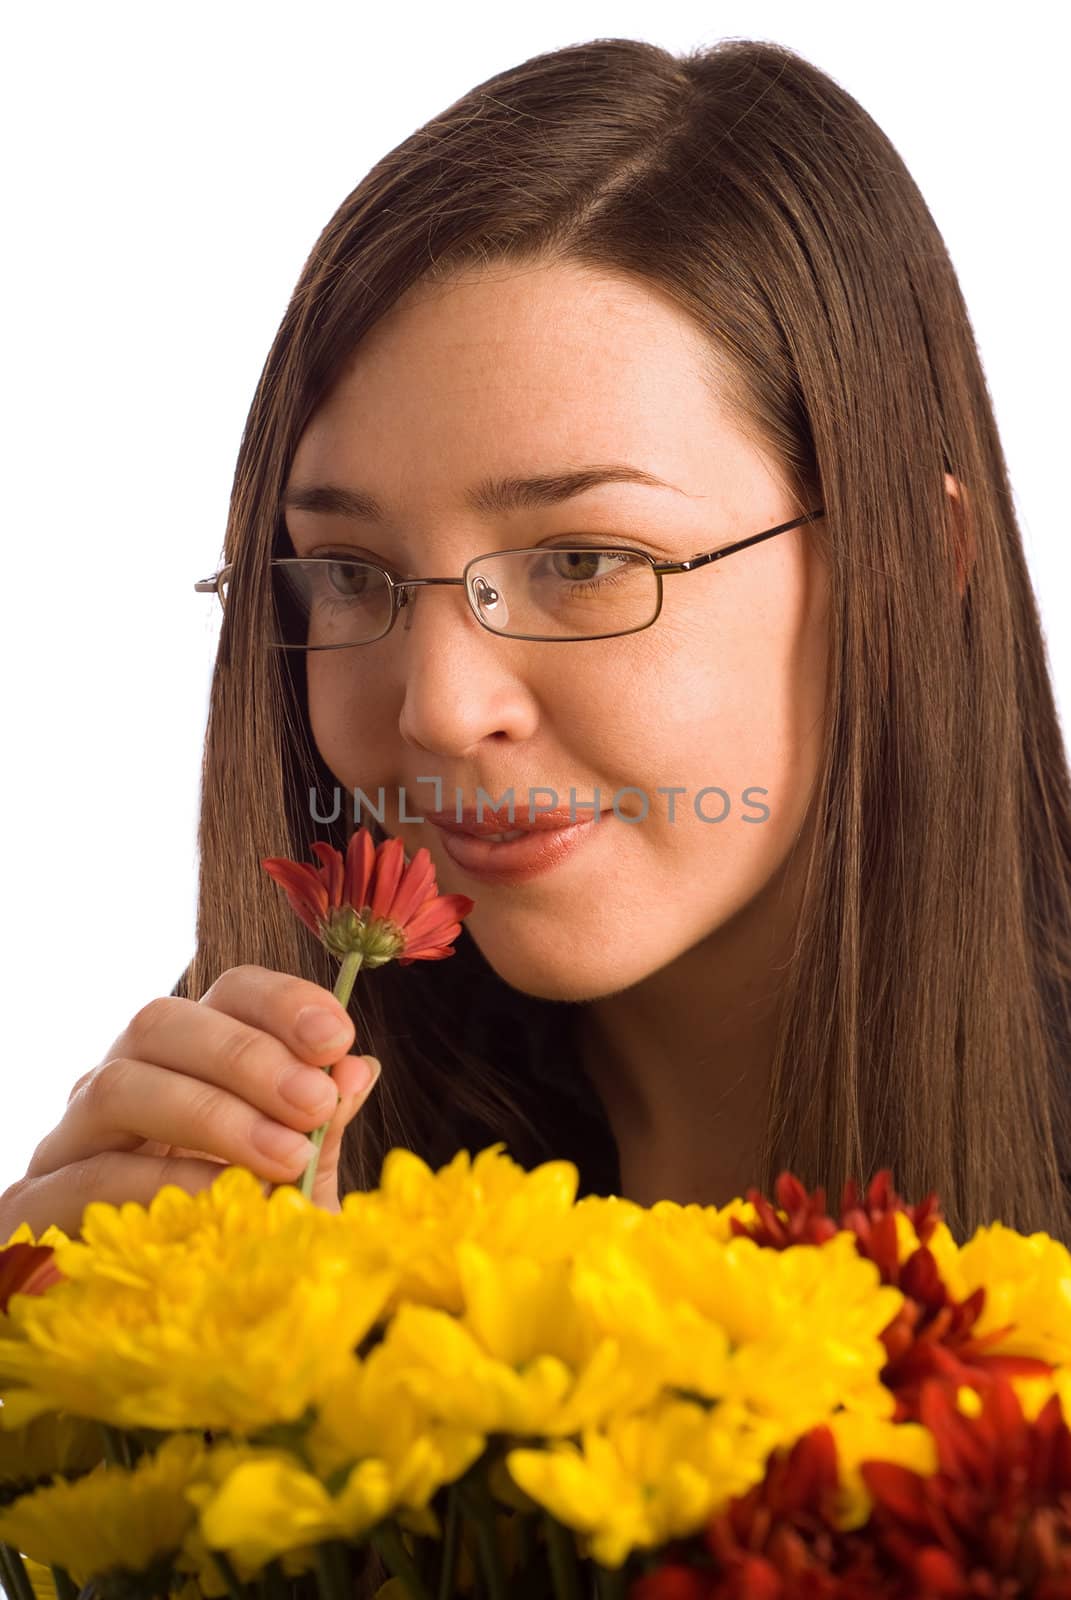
point(490, 497)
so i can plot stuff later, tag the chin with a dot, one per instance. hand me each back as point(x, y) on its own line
point(556, 975)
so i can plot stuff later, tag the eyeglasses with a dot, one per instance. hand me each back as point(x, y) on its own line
point(555, 593)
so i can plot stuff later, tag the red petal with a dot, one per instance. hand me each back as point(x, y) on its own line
point(940, 1574)
point(758, 1580)
point(303, 888)
point(416, 886)
point(331, 871)
point(669, 1583)
point(26, 1269)
point(360, 858)
point(438, 913)
point(896, 1488)
point(390, 863)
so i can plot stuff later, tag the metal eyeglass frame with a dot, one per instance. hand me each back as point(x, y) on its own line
point(400, 586)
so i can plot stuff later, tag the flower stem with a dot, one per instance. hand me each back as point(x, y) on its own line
point(478, 1502)
point(611, 1582)
point(332, 1570)
point(13, 1571)
point(453, 1513)
point(563, 1561)
point(273, 1581)
point(235, 1588)
point(351, 965)
point(116, 1448)
point(66, 1588)
point(386, 1540)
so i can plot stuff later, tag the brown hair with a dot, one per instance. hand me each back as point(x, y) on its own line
point(926, 1017)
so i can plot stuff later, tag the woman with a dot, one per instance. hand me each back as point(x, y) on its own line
point(715, 270)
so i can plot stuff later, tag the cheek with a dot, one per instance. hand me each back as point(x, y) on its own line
point(741, 716)
point(348, 714)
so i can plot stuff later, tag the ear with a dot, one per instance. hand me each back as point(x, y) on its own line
point(962, 532)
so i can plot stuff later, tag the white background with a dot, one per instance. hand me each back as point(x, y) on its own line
point(167, 170)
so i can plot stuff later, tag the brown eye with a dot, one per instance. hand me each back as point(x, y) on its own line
point(348, 579)
point(580, 565)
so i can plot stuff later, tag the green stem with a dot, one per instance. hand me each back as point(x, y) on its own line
point(563, 1561)
point(453, 1516)
point(611, 1582)
point(16, 1578)
point(477, 1500)
point(235, 1589)
point(116, 1450)
point(66, 1588)
point(274, 1581)
point(347, 973)
point(386, 1541)
point(332, 1571)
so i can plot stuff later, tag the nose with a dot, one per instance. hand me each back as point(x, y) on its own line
point(461, 683)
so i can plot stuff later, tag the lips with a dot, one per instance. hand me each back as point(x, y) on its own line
point(537, 850)
point(490, 822)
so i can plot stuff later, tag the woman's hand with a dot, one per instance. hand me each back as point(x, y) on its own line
point(193, 1085)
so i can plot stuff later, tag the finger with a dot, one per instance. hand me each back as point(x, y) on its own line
point(60, 1198)
point(201, 1041)
point(127, 1102)
point(358, 1076)
point(306, 1018)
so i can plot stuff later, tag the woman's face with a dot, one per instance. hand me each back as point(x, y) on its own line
point(521, 372)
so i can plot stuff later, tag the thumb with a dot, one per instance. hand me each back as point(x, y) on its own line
point(355, 1077)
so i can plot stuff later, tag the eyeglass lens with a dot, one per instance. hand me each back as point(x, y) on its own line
point(557, 593)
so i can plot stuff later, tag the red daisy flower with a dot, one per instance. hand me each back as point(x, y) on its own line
point(26, 1269)
point(372, 903)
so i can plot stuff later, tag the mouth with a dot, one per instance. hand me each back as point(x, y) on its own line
point(492, 854)
point(499, 826)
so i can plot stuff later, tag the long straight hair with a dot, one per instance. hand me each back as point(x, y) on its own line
point(925, 1023)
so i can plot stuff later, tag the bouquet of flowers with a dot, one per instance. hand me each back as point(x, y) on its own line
point(509, 1392)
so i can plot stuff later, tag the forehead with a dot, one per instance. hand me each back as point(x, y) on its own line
point(520, 370)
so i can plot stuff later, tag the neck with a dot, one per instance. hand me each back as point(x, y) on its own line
point(682, 1061)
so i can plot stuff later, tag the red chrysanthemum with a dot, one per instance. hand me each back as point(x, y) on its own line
point(779, 1541)
point(931, 1335)
point(26, 1269)
point(371, 902)
point(995, 1519)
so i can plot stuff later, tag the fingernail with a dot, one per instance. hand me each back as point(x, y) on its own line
point(318, 1027)
point(368, 1073)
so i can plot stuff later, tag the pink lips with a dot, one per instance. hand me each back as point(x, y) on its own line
point(487, 820)
point(548, 840)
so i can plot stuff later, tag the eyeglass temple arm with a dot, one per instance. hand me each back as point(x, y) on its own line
point(211, 585)
point(731, 549)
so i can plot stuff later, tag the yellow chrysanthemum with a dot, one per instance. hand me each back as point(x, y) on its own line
point(223, 1310)
point(647, 1478)
point(113, 1518)
point(227, 1468)
point(375, 1414)
point(50, 1445)
point(1027, 1278)
point(24, 1234)
point(417, 1217)
point(862, 1438)
point(444, 1367)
